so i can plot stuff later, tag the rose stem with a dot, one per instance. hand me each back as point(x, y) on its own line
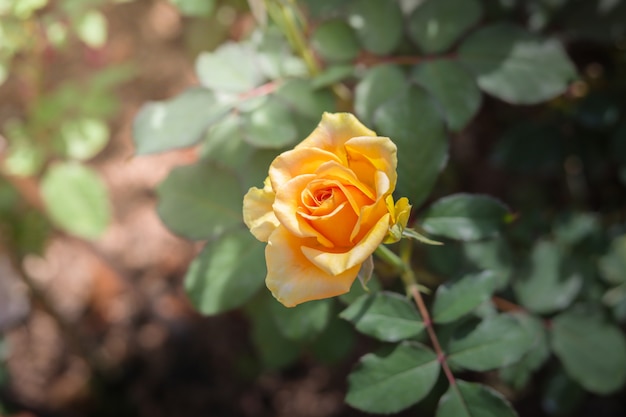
point(412, 287)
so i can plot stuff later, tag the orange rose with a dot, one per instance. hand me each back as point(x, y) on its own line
point(325, 208)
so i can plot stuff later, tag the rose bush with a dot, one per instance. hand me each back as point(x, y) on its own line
point(324, 209)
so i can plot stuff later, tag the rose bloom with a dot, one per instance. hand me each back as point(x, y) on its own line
point(324, 209)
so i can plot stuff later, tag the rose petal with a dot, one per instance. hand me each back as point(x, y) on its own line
point(378, 152)
point(291, 164)
point(258, 214)
point(334, 130)
point(293, 279)
point(336, 263)
point(286, 207)
point(336, 171)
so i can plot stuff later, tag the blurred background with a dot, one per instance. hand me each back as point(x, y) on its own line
point(93, 317)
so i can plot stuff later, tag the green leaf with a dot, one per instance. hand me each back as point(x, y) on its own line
point(378, 25)
point(453, 87)
point(465, 217)
point(519, 374)
point(495, 342)
point(546, 284)
point(435, 25)
point(269, 126)
point(193, 203)
point(575, 228)
point(562, 396)
point(493, 255)
point(333, 75)
point(176, 123)
point(303, 322)
point(592, 351)
point(613, 264)
point(470, 399)
point(390, 383)
point(412, 122)
point(76, 199)
point(517, 66)
point(456, 299)
point(84, 138)
point(91, 28)
point(196, 8)
point(386, 316)
point(335, 41)
point(227, 272)
point(380, 84)
point(303, 99)
point(335, 343)
point(274, 349)
point(232, 68)
point(357, 290)
point(275, 57)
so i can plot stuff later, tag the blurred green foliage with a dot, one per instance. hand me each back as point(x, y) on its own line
point(544, 121)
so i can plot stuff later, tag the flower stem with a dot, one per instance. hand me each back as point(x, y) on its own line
point(402, 263)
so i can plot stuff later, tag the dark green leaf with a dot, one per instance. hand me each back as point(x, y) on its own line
point(76, 199)
point(199, 201)
point(465, 217)
point(300, 96)
point(493, 255)
point(302, 322)
point(546, 284)
point(562, 396)
point(232, 68)
point(335, 342)
point(357, 290)
point(378, 25)
point(496, 342)
point(379, 85)
point(618, 144)
point(592, 351)
point(386, 316)
point(335, 41)
point(519, 374)
point(412, 122)
point(470, 399)
point(461, 297)
point(176, 123)
point(517, 66)
point(391, 383)
point(613, 264)
point(274, 349)
point(453, 87)
point(576, 227)
point(436, 25)
point(226, 273)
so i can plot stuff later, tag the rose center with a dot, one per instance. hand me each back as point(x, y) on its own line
point(322, 195)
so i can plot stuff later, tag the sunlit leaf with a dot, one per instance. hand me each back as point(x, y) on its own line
point(76, 199)
point(504, 60)
point(378, 25)
point(232, 68)
point(437, 24)
point(177, 123)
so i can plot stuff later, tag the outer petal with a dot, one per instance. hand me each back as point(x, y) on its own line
point(290, 164)
point(338, 263)
point(293, 279)
point(258, 214)
point(379, 153)
point(333, 131)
